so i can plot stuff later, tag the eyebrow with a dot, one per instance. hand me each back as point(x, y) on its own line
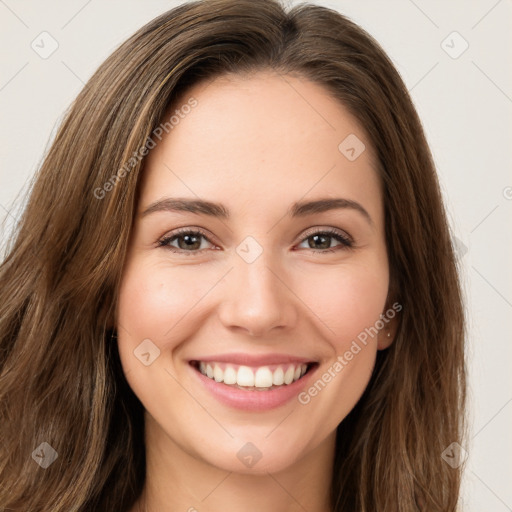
point(298, 209)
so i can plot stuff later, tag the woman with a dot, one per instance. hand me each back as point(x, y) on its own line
point(233, 285)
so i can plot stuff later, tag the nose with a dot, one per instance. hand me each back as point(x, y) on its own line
point(257, 298)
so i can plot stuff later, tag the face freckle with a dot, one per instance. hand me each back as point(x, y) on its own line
point(258, 280)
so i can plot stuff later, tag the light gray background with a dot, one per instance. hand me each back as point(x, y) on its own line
point(465, 104)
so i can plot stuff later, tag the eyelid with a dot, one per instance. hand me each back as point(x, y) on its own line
point(326, 230)
point(161, 242)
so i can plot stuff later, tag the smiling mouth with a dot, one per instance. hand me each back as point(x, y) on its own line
point(261, 378)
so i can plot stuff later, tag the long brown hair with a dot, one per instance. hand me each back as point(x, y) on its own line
point(60, 376)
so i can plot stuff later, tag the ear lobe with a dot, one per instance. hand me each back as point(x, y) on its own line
point(386, 336)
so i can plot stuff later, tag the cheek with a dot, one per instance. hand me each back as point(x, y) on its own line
point(349, 301)
point(154, 301)
point(346, 300)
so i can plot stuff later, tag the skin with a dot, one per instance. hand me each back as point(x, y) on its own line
point(256, 144)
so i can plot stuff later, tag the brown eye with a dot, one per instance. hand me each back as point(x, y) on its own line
point(187, 241)
point(320, 241)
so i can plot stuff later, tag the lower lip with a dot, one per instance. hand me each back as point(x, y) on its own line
point(254, 400)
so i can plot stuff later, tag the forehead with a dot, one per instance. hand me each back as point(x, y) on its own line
point(262, 140)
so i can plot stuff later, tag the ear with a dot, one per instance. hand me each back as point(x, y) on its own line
point(390, 319)
point(387, 335)
point(391, 315)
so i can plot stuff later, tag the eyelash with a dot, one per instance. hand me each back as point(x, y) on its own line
point(346, 241)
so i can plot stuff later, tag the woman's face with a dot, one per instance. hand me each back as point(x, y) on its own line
point(268, 288)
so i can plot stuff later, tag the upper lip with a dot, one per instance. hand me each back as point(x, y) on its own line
point(254, 360)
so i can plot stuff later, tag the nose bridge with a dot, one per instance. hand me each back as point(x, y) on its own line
point(257, 298)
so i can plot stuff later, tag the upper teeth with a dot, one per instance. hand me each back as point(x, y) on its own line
point(261, 377)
